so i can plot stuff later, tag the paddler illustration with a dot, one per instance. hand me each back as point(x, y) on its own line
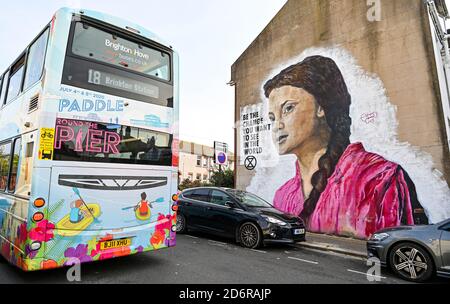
point(76, 214)
point(143, 210)
point(81, 216)
point(143, 207)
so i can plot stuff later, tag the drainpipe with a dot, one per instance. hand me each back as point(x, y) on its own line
point(444, 81)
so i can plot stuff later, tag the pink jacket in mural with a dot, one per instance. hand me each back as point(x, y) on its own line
point(366, 193)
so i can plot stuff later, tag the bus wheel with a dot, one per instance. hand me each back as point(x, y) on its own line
point(250, 236)
point(181, 223)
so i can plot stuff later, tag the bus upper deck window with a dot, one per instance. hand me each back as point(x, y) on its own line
point(36, 58)
point(93, 43)
point(4, 84)
point(15, 80)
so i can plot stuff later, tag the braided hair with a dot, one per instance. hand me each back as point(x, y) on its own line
point(321, 77)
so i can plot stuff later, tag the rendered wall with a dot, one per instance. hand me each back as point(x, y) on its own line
point(396, 114)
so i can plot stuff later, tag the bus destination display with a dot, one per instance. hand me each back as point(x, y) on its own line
point(122, 83)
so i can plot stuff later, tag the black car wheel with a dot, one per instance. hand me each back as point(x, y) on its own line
point(181, 223)
point(250, 236)
point(411, 262)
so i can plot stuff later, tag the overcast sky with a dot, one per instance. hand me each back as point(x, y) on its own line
point(208, 34)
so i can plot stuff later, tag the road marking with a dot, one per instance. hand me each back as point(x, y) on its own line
point(366, 274)
point(302, 260)
point(190, 236)
point(260, 251)
point(341, 255)
point(216, 242)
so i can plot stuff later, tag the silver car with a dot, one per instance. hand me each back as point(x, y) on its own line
point(414, 253)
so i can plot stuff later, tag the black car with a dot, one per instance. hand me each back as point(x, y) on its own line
point(239, 215)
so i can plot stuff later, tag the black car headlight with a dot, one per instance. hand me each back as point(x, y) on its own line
point(378, 237)
point(275, 221)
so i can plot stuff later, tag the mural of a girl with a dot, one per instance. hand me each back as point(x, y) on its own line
point(339, 187)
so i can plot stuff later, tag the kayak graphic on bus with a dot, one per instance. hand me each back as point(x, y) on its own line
point(143, 210)
point(81, 216)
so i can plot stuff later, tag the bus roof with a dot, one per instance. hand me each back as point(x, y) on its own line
point(118, 22)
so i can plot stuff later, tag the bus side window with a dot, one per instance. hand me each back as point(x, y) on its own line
point(23, 186)
point(36, 58)
point(5, 83)
point(14, 165)
point(15, 80)
point(5, 158)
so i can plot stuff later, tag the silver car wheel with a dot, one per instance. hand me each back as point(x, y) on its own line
point(411, 261)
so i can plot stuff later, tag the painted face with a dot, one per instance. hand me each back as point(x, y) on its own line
point(295, 117)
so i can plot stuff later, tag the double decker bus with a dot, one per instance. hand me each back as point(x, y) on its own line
point(88, 143)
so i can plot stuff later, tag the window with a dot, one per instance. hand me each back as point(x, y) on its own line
point(5, 158)
point(77, 140)
point(4, 87)
point(14, 165)
point(248, 199)
point(23, 186)
point(188, 194)
point(205, 177)
point(199, 176)
point(191, 176)
point(93, 43)
point(15, 80)
point(205, 162)
point(100, 61)
point(446, 227)
point(36, 58)
point(219, 198)
point(199, 160)
point(201, 195)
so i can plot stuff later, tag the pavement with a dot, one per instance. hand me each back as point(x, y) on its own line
point(343, 245)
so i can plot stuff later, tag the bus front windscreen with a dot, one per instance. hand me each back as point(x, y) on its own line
point(77, 140)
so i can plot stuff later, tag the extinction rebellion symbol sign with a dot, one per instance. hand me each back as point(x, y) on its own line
point(250, 163)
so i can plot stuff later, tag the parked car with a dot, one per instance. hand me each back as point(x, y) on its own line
point(239, 215)
point(414, 253)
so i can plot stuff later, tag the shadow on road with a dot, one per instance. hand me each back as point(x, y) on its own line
point(106, 271)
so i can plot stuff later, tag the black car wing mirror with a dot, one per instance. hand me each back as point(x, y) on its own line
point(230, 204)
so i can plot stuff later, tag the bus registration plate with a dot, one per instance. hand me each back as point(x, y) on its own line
point(115, 244)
